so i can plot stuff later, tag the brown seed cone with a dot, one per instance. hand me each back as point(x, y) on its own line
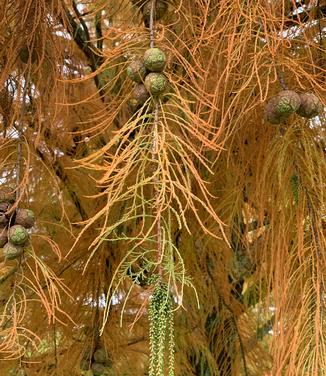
point(310, 106)
point(270, 113)
point(25, 218)
point(12, 251)
point(7, 196)
point(280, 107)
point(4, 220)
point(139, 96)
point(98, 369)
point(18, 235)
point(3, 237)
point(136, 70)
point(161, 7)
point(4, 206)
point(101, 356)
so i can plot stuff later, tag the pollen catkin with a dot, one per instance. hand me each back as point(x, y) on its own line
point(161, 332)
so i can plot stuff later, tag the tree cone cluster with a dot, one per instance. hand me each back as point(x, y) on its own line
point(287, 102)
point(13, 227)
point(146, 72)
point(99, 364)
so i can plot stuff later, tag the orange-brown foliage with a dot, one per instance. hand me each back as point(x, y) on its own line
point(207, 190)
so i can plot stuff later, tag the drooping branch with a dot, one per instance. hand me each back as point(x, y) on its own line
point(61, 174)
point(82, 38)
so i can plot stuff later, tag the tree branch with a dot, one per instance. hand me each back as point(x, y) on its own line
point(303, 17)
point(98, 29)
point(61, 174)
point(82, 39)
point(81, 20)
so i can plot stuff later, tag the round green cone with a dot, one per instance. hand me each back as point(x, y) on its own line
point(155, 83)
point(154, 59)
point(12, 251)
point(18, 235)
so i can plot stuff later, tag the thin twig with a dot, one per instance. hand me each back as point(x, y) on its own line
point(55, 347)
point(151, 25)
point(155, 148)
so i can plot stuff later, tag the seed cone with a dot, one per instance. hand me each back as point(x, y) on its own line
point(154, 59)
point(155, 83)
point(4, 220)
point(137, 71)
point(25, 218)
point(161, 7)
point(4, 206)
point(12, 251)
point(3, 237)
point(280, 107)
point(98, 369)
point(18, 235)
point(100, 356)
point(139, 96)
point(7, 196)
point(310, 106)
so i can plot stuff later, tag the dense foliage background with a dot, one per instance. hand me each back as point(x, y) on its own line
point(196, 189)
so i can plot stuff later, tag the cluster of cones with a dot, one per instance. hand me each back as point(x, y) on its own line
point(14, 236)
point(287, 102)
point(146, 71)
point(99, 362)
point(147, 74)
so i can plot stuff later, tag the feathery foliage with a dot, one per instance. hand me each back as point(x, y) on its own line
point(178, 233)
